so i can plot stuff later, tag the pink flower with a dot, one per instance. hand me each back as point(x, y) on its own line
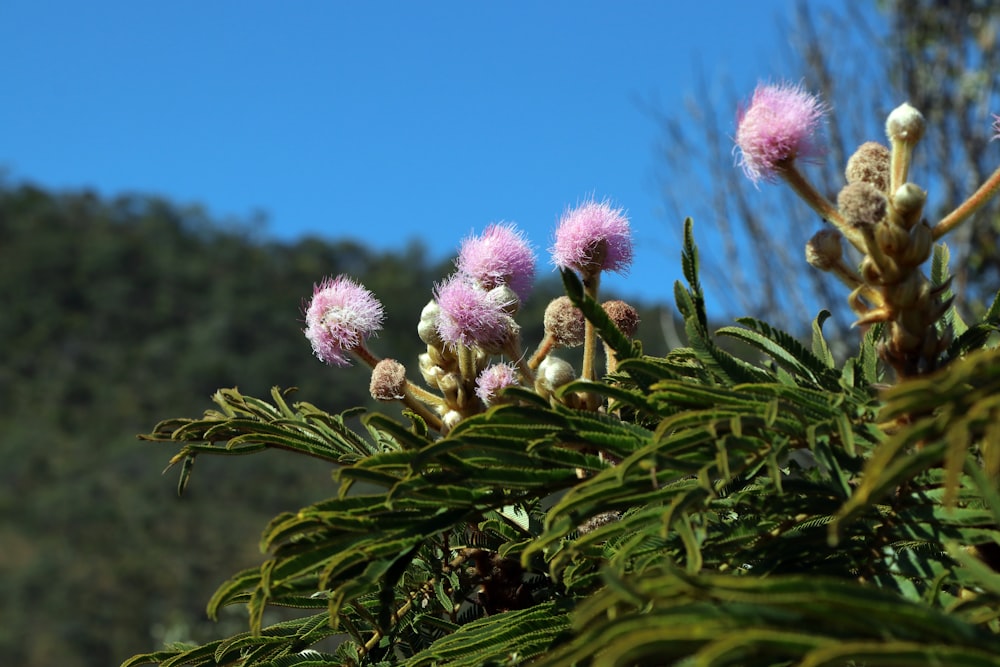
point(339, 317)
point(780, 125)
point(493, 380)
point(471, 316)
point(593, 236)
point(501, 256)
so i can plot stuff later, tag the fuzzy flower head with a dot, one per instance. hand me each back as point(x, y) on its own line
point(472, 317)
point(779, 125)
point(388, 382)
point(493, 380)
point(339, 317)
point(564, 322)
point(500, 256)
point(593, 236)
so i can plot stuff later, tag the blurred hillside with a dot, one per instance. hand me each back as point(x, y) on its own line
point(118, 313)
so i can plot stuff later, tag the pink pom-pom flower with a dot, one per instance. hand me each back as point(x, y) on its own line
point(493, 380)
point(339, 317)
point(593, 236)
point(500, 256)
point(779, 125)
point(472, 317)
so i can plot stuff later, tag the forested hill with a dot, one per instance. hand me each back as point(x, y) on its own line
point(117, 314)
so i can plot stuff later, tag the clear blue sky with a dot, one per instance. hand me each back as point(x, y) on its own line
point(380, 121)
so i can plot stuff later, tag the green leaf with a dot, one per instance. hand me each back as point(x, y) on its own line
point(820, 348)
point(785, 350)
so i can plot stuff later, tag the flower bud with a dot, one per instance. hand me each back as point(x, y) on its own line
point(427, 327)
point(553, 373)
point(908, 293)
point(511, 340)
point(869, 164)
point(920, 247)
point(625, 317)
point(861, 204)
point(450, 420)
point(505, 298)
point(870, 272)
point(388, 381)
point(908, 204)
point(564, 322)
point(449, 385)
point(905, 124)
point(892, 239)
point(823, 251)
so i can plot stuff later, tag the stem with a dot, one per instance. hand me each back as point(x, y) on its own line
point(978, 199)
point(377, 635)
point(527, 372)
point(591, 284)
point(466, 363)
point(426, 589)
point(424, 396)
point(543, 350)
point(611, 360)
point(411, 399)
point(363, 353)
point(886, 265)
point(817, 202)
point(513, 351)
point(899, 164)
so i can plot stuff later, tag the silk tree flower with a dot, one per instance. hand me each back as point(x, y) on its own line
point(779, 125)
point(593, 236)
point(340, 316)
point(493, 380)
point(499, 256)
point(471, 316)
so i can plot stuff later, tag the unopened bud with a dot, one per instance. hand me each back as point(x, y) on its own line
point(505, 343)
point(905, 124)
point(388, 381)
point(908, 203)
point(823, 251)
point(505, 298)
point(552, 374)
point(427, 327)
point(625, 317)
point(450, 420)
point(921, 246)
point(564, 322)
point(869, 164)
point(861, 204)
point(892, 239)
point(870, 272)
point(908, 293)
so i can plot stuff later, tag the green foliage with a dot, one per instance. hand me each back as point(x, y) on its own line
point(116, 313)
point(718, 511)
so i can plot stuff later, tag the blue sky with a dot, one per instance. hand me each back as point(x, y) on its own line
point(379, 121)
